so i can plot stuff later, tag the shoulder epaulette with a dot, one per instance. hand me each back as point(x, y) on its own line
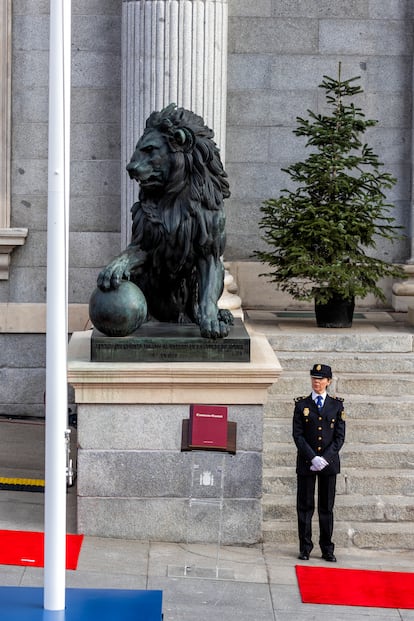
point(296, 399)
point(338, 398)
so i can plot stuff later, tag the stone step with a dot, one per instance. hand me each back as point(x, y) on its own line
point(373, 371)
point(376, 384)
point(399, 456)
point(377, 536)
point(339, 341)
point(355, 508)
point(279, 454)
point(344, 362)
point(373, 431)
point(356, 406)
point(350, 481)
point(297, 383)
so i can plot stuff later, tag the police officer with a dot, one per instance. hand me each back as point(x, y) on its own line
point(319, 433)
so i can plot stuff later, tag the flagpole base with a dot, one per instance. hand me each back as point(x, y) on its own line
point(26, 604)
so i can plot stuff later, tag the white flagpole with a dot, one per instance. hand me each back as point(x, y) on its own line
point(67, 25)
point(56, 323)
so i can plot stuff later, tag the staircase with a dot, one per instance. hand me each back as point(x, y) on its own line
point(375, 490)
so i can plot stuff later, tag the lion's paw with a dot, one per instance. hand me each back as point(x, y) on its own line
point(214, 329)
point(113, 274)
point(226, 316)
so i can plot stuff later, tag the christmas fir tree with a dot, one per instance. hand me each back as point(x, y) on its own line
point(319, 233)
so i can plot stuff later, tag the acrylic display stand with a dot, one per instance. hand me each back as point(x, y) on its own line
point(205, 504)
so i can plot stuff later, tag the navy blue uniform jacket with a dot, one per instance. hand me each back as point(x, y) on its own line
point(318, 433)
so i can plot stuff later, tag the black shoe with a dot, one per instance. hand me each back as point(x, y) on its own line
point(330, 557)
point(303, 556)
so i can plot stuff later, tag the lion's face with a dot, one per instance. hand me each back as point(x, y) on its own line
point(151, 161)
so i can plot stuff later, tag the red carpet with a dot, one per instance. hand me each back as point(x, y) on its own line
point(19, 547)
point(355, 587)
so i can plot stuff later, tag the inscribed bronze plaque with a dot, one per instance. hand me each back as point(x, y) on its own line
point(167, 342)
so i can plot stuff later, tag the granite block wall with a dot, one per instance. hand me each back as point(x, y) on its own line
point(95, 145)
point(131, 469)
point(279, 51)
point(95, 175)
point(22, 371)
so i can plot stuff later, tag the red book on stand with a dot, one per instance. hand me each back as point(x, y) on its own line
point(208, 426)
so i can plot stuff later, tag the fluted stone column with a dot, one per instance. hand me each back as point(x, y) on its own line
point(173, 51)
point(411, 259)
point(403, 292)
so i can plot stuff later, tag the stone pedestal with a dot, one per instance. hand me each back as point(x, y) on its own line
point(403, 292)
point(134, 481)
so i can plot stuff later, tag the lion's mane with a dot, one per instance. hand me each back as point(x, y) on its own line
point(190, 209)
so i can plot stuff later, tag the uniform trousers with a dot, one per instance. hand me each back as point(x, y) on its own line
point(306, 508)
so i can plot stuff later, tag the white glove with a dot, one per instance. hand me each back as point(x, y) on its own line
point(318, 463)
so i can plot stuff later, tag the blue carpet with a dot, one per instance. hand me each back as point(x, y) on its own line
point(26, 604)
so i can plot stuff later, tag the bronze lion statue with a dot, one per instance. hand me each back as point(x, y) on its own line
point(178, 223)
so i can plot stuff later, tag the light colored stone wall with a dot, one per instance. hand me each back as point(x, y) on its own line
point(130, 464)
point(95, 145)
point(279, 51)
point(95, 181)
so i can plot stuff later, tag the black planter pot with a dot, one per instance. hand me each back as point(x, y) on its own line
point(337, 313)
